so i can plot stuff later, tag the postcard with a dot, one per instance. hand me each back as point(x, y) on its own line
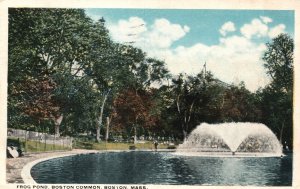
point(149, 94)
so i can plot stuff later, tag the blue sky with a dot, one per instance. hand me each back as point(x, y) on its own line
point(230, 41)
point(204, 24)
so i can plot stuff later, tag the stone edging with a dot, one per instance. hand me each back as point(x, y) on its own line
point(25, 173)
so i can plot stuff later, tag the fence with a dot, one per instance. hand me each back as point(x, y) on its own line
point(36, 141)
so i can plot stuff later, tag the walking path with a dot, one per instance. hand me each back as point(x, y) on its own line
point(14, 166)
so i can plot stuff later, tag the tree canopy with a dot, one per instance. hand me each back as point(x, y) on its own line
point(277, 97)
point(67, 74)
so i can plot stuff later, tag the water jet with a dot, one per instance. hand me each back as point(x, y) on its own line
point(231, 139)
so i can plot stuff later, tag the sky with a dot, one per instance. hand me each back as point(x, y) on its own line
point(231, 42)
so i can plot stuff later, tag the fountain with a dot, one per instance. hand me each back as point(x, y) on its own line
point(251, 140)
point(231, 139)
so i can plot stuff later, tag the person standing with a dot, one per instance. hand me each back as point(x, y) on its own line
point(155, 145)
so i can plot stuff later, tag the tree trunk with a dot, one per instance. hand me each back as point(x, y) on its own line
point(184, 135)
point(135, 137)
point(281, 132)
point(57, 134)
point(190, 112)
point(98, 133)
point(99, 127)
point(100, 118)
point(107, 128)
point(57, 122)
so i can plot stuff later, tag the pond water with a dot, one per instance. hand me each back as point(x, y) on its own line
point(136, 167)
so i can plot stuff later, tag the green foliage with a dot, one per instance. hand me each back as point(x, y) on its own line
point(277, 97)
point(43, 43)
point(63, 64)
point(279, 62)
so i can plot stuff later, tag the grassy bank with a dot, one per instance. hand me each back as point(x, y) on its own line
point(116, 146)
point(39, 146)
point(35, 146)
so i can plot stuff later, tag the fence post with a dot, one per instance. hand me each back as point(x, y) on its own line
point(45, 142)
point(36, 141)
point(25, 143)
point(53, 148)
point(73, 140)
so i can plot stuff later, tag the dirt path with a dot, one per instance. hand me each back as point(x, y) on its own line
point(14, 166)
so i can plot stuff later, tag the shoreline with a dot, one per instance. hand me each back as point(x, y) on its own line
point(18, 169)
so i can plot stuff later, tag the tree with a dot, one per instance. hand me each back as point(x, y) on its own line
point(132, 70)
point(189, 92)
point(277, 113)
point(52, 44)
point(239, 105)
point(66, 48)
point(279, 62)
point(133, 112)
point(35, 100)
point(277, 97)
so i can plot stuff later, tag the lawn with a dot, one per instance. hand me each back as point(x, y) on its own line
point(116, 145)
point(35, 146)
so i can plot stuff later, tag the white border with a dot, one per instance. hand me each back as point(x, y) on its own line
point(154, 4)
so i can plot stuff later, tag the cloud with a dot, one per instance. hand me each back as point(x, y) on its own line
point(127, 30)
point(256, 28)
point(237, 59)
point(260, 28)
point(226, 28)
point(265, 19)
point(186, 59)
point(161, 34)
point(186, 28)
point(234, 59)
point(275, 31)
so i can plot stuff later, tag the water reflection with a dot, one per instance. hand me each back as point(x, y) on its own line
point(164, 168)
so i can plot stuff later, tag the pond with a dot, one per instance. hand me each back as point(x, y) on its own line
point(136, 167)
